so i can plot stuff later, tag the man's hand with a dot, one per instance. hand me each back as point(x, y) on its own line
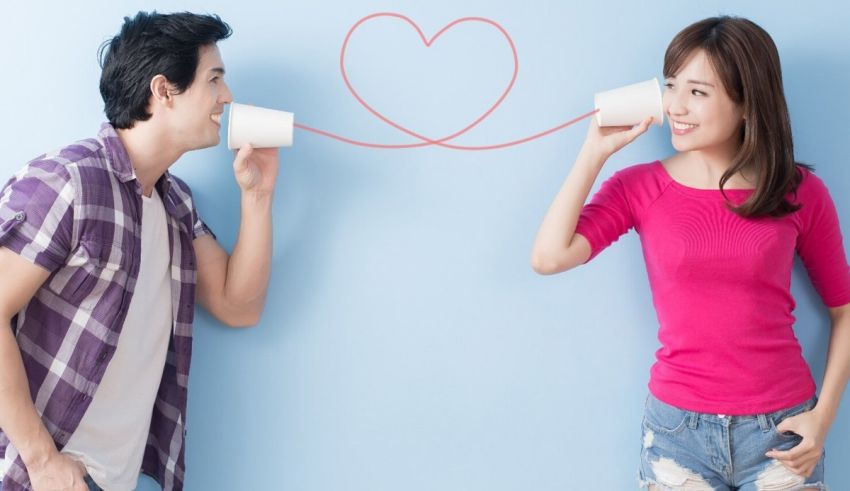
point(256, 169)
point(58, 473)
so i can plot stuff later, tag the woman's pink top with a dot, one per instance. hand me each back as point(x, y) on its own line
point(721, 285)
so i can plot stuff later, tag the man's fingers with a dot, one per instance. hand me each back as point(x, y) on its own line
point(242, 155)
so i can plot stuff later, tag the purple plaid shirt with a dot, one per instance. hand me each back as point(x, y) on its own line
point(77, 213)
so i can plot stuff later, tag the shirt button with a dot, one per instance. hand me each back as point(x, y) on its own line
point(19, 216)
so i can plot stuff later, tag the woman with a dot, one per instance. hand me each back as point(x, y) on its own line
point(732, 402)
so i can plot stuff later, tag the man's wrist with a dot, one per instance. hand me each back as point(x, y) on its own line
point(257, 198)
point(38, 450)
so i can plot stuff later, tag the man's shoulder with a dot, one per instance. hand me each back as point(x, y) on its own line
point(60, 162)
point(83, 152)
point(179, 187)
point(180, 195)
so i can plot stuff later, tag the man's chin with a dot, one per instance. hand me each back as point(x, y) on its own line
point(212, 142)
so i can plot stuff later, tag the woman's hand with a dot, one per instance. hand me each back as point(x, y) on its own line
point(606, 141)
point(803, 458)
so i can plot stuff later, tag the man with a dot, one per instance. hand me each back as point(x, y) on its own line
point(102, 255)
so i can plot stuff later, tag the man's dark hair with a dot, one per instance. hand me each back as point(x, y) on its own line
point(148, 45)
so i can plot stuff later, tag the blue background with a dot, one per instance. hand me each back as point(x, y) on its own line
point(406, 343)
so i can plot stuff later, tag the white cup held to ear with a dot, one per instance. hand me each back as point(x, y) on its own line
point(259, 126)
point(629, 105)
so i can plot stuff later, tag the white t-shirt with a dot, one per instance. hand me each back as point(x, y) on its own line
point(112, 435)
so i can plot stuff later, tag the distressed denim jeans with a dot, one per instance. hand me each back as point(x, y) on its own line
point(685, 450)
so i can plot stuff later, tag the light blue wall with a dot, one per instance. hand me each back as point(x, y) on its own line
point(406, 343)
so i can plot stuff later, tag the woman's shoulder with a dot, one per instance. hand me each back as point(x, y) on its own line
point(646, 171)
point(646, 177)
point(640, 184)
point(812, 195)
point(810, 186)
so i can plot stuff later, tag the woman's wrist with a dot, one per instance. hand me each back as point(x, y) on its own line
point(590, 156)
point(825, 415)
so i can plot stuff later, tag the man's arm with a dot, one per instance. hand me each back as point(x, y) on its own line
point(18, 417)
point(233, 288)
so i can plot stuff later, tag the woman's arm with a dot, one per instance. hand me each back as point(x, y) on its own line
point(837, 372)
point(557, 247)
point(814, 425)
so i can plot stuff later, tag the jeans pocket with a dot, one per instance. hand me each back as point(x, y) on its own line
point(778, 417)
point(664, 418)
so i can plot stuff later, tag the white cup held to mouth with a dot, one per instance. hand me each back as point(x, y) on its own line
point(259, 126)
point(629, 105)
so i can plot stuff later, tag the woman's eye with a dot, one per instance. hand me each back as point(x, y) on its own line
point(698, 92)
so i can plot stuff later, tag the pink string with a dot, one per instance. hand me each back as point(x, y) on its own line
point(426, 141)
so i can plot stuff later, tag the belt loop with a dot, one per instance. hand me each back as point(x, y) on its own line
point(692, 420)
point(763, 424)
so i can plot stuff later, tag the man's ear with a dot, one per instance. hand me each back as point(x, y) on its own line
point(162, 92)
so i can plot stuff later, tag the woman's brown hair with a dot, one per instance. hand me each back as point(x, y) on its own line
point(747, 62)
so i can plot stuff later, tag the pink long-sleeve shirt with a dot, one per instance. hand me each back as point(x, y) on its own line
point(721, 285)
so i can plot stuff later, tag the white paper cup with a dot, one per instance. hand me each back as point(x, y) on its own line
point(259, 126)
point(629, 105)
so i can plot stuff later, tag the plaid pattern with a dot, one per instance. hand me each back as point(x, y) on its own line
point(77, 213)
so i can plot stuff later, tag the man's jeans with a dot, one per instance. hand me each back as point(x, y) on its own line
point(90, 482)
point(92, 486)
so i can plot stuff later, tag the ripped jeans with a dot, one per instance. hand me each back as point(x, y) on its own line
point(684, 450)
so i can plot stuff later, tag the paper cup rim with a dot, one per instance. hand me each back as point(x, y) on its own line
point(658, 118)
point(230, 123)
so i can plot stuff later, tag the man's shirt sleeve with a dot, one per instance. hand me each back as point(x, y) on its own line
point(36, 214)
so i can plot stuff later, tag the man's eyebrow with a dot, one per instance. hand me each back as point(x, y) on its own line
point(217, 70)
